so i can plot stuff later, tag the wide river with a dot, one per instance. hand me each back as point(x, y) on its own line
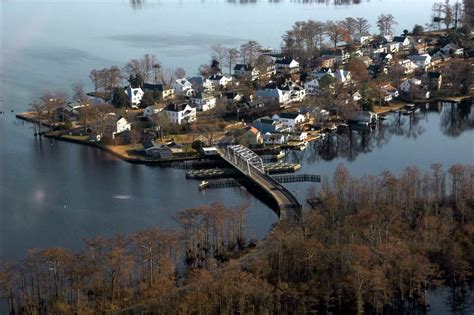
point(55, 193)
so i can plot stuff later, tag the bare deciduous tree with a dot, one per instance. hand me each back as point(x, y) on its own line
point(386, 24)
point(336, 32)
point(145, 66)
point(250, 52)
point(231, 57)
point(218, 52)
point(362, 26)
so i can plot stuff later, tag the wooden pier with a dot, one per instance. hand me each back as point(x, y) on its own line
point(275, 168)
point(211, 173)
point(281, 167)
point(296, 178)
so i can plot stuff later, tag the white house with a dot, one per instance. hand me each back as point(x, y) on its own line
point(290, 120)
point(393, 47)
point(299, 136)
point(183, 87)
point(246, 71)
point(152, 110)
point(297, 94)
point(115, 125)
point(181, 113)
point(287, 64)
point(134, 96)
point(312, 87)
point(408, 66)
point(204, 101)
point(163, 91)
point(422, 61)
point(219, 81)
point(403, 41)
point(274, 94)
point(389, 92)
point(318, 74)
point(201, 84)
point(209, 151)
point(340, 54)
point(356, 96)
point(364, 39)
point(452, 49)
point(274, 138)
point(406, 85)
point(342, 76)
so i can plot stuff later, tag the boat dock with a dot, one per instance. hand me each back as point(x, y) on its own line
point(211, 173)
point(273, 168)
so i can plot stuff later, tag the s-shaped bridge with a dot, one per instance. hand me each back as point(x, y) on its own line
point(251, 165)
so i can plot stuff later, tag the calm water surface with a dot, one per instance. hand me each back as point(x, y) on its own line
point(54, 193)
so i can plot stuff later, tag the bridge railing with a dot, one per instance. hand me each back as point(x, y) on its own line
point(255, 172)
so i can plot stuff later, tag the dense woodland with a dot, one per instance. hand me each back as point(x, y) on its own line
point(374, 244)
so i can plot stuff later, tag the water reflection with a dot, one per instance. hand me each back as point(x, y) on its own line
point(455, 118)
point(327, 2)
point(137, 4)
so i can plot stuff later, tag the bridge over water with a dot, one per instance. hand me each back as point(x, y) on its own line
point(251, 165)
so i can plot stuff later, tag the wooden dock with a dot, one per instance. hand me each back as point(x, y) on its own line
point(211, 173)
point(274, 168)
point(281, 167)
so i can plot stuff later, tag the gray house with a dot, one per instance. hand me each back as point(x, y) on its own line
point(266, 124)
point(159, 151)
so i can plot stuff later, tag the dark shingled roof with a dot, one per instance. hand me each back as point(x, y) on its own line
point(399, 39)
point(285, 61)
point(243, 67)
point(267, 121)
point(153, 87)
point(172, 107)
point(289, 115)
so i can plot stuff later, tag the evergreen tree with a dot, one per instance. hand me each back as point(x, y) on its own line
point(119, 98)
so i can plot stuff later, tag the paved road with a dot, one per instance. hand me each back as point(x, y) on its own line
point(288, 206)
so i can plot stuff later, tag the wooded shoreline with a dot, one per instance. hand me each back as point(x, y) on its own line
point(374, 244)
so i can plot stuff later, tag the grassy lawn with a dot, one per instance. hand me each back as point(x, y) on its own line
point(388, 108)
point(125, 150)
point(78, 138)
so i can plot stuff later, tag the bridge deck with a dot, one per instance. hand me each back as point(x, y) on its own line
point(288, 206)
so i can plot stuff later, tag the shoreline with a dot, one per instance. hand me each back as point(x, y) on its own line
point(128, 159)
point(59, 135)
point(133, 160)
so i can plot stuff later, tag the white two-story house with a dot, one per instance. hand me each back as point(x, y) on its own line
point(290, 120)
point(204, 101)
point(183, 87)
point(134, 96)
point(220, 81)
point(115, 125)
point(246, 71)
point(422, 61)
point(181, 113)
point(287, 65)
point(312, 87)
